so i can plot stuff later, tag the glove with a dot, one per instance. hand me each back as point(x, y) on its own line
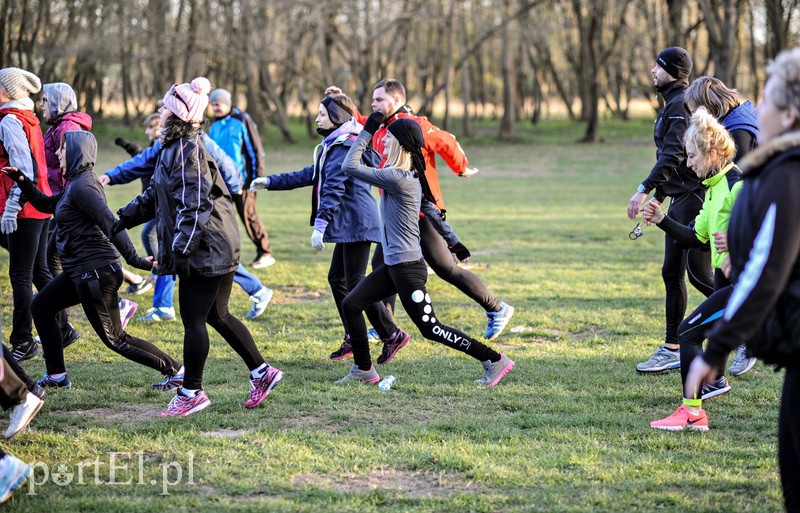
point(131, 148)
point(373, 122)
point(262, 182)
point(14, 173)
point(460, 251)
point(316, 240)
point(141, 263)
point(118, 226)
point(9, 221)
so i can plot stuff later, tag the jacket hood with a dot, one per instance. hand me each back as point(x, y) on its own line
point(764, 153)
point(60, 100)
point(80, 118)
point(81, 153)
point(742, 117)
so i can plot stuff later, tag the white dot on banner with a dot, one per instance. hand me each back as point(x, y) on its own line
point(425, 318)
point(417, 296)
point(427, 309)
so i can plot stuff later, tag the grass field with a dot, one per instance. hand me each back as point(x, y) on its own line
point(567, 430)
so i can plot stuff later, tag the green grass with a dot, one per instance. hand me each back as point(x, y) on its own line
point(567, 430)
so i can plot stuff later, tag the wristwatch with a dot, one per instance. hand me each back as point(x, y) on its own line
point(641, 188)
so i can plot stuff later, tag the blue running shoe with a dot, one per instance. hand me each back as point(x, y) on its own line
point(260, 300)
point(13, 474)
point(498, 321)
point(48, 382)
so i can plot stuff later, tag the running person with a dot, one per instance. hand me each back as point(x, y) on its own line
point(389, 98)
point(198, 239)
point(402, 180)
point(343, 212)
point(90, 260)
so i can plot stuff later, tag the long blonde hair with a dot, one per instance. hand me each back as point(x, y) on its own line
point(705, 133)
point(396, 156)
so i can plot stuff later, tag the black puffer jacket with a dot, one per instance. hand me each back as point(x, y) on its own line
point(195, 220)
point(82, 215)
point(764, 242)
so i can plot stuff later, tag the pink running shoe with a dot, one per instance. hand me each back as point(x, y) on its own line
point(126, 310)
point(261, 387)
point(682, 419)
point(183, 405)
point(494, 372)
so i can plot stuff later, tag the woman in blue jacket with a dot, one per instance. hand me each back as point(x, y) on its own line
point(343, 212)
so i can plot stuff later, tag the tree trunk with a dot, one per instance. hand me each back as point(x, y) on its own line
point(509, 81)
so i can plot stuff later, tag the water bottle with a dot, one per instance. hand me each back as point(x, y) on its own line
point(386, 383)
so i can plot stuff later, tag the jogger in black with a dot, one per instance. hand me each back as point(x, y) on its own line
point(90, 259)
point(404, 273)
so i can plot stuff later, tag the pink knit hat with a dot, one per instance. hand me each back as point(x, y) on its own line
point(189, 101)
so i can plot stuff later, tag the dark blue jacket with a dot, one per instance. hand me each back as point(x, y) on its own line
point(144, 164)
point(344, 203)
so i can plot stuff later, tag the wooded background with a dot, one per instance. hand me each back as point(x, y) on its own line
point(508, 59)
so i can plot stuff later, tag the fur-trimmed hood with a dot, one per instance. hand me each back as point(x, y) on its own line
point(757, 158)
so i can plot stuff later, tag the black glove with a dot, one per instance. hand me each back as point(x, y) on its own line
point(460, 251)
point(14, 174)
point(131, 148)
point(118, 226)
point(373, 122)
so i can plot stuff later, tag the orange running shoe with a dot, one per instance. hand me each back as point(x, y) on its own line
point(682, 419)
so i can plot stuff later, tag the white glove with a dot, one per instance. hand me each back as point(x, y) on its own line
point(470, 171)
point(316, 241)
point(262, 182)
point(9, 221)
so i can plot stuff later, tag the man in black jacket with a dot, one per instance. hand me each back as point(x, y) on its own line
point(670, 177)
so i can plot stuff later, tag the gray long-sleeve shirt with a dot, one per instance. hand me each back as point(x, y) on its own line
point(400, 204)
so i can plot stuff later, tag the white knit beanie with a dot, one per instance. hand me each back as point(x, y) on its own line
point(189, 101)
point(19, 83)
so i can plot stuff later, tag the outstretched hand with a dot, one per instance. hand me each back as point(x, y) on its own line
point(13, 173)
point(470, 171)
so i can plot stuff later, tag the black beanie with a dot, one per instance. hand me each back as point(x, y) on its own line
point(675, 61)
point(408, 134)
point(337, 112)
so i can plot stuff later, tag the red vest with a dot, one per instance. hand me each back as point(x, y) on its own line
point(33, 133)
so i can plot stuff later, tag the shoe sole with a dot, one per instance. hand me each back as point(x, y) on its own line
point(341, 357)
point(680, 428)
point(716, 393)
point(745, 370)
point(510, 315)
point(27, 423)
point(272, 385)
point(14, 487)
point(400, 346)
point(502, 374)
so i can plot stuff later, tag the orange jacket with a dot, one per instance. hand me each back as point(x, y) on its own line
point(437, 141)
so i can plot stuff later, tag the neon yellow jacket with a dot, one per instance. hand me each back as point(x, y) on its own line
point(716, 211)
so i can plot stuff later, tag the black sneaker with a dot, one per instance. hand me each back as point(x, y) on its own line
point(37, 390)
point(71, 336)
point(719, 387)
point(345, 350)
point(25, 351)
point(392, 346)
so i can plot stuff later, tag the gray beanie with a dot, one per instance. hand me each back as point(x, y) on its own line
point(19, 83)
point(220, 96)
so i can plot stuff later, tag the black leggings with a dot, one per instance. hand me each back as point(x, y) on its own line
point(97, 294)
point(789, 439)
point(408, 281)
point(27, 265)
point(204, 299)
point(695, 328)
point(438, 256)
point(348, 268)
point(679, 262)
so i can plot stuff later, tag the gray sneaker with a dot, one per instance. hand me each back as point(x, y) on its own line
point(494, 372)
point(742, 362)
point(662, 360)
point(369, 377)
